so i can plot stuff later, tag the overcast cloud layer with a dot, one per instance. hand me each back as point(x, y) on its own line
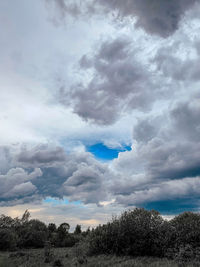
point(75, 74)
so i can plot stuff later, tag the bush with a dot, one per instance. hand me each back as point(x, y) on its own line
point(8, 239)
point(33, 234)
point(138, 232)
point(34, 239)
point(187, 228)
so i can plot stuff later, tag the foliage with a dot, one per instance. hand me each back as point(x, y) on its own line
point(187, 229)
point(137, 232)
point(35, 258)
point(52, 228)
point(77, 230)
point(140, 232)
point(8, 239)
point(25, 233)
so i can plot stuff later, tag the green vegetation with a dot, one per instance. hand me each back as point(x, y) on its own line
point(135, 238)
point(67, 258)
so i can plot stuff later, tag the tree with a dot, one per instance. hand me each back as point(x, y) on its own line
point(33, 234)
point(77, 230)
point(25, 217)
point(63, 228)
point(62, 234)
point(187, 228)
point(8, 239)
point(136, 232)
point(52, 228)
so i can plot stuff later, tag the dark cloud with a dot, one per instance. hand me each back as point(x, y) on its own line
point(155, 17)
point(172, 149)
point(162, 166)
point(173, 160)
point(186, 120)
point(166, 160)
point(5, 158)
point(119, 84)
point(178, 68)
point(46, 171)
point(18, 183)
point(85, 183)
point(146, 129)
point(41, 154)
point(174, 189)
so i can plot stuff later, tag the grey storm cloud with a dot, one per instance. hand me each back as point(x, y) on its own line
point(169, 62)
point(119, 84)
point(158, 17)
point(146, 129)
point(163, 166)
point(45, 171)
point(84, 184)
point(173, 160)
point(186, 120)
point(169, 190)
point(174, 153)
point(155, 17)
point(41, 154)
point(166, 161)
point(5, 158)
point(18, 183)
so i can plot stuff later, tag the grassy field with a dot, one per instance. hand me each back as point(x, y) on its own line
point(68, 257)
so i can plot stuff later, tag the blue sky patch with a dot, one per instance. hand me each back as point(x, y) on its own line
point(100, 151)
point(56, 202)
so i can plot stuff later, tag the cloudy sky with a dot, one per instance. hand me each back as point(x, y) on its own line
point(99, 108)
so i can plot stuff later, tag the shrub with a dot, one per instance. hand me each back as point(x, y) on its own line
point(8, 239)
point(77, 230)
point(34, 239)
point(187, 228)
point(33, 234)
point(136, 232)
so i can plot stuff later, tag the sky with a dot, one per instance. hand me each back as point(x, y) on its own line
point(99, 108)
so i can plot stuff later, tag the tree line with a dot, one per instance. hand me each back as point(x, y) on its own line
point(136, 232)
point(17, 233)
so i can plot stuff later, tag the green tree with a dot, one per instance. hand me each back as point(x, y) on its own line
point(136, 232)
point(77, 230)
point(8, 239)
point(52, 228)
point(187, 228)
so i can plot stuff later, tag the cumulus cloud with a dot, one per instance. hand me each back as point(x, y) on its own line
point(186, 119)
point(77, 176)
point(146, 129)
point(165, 160)
point(155, 17)
point(5, 158)
point(119, 84)
point(18, 183)
point(176, 189)
point(164, 157)
point(172, 62)
point(41, 154)
point(84, 184)
point(161, 17)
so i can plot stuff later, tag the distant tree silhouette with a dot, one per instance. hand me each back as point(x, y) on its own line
point(52, 228)
point(77, 230)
